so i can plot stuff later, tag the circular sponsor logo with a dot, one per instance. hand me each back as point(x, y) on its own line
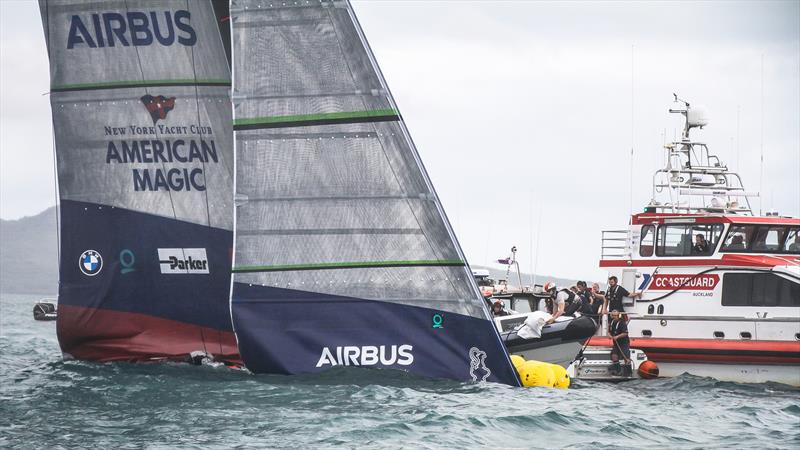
point(90, 262)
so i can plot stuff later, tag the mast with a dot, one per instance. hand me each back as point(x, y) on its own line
point(694, 180)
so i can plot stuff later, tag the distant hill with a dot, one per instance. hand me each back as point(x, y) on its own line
point(29, 254)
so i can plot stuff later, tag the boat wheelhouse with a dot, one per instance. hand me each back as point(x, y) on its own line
point(720, 286)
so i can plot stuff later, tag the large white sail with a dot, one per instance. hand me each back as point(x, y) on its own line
point(343, 255)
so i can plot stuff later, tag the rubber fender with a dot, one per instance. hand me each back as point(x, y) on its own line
point(536, 373)
point(648, 370)
point(562, 380)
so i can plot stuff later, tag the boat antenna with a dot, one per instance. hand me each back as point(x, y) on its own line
point(538, 248)
point(761, 176)
point(630, 177)
point(530, 238)
point(738, 110)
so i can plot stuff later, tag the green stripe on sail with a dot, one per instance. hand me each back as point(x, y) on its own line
point(344, 115)
point(350, 265)
point(139, 83)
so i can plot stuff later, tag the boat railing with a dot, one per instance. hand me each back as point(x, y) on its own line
point(614, 244)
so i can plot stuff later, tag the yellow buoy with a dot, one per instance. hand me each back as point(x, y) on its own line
point(561, 376)
point(535, 373)
point(518, 361)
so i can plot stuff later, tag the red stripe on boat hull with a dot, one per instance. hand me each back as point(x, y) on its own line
point(106, 335)
point(714, 351)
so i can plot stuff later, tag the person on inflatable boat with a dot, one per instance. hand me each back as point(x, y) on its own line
point(498, 309)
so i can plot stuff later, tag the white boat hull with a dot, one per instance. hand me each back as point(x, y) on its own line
point(740, 373)
point(562, 354)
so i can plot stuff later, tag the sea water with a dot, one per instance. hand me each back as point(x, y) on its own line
point(46, 402)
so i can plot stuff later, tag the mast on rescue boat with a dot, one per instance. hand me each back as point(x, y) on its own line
point(694, 181)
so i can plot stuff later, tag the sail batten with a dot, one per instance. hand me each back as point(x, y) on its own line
point(351, 265)
point(340, 240)
point(332, 118)
point(128, 84)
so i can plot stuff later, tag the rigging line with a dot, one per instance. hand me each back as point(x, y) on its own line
point(163, 165)
point(351, 16)
point(197, 111)
point(202, 161)
point(467, 273)
point(55, 155)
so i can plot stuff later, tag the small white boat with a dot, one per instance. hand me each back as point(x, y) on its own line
point(45, 309)
point(595, 364)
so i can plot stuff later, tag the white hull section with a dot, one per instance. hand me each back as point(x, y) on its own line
point(740, 373)
point(561, 354)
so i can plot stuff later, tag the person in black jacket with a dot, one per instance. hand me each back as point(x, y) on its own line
point(612, 300)
point(620, 344)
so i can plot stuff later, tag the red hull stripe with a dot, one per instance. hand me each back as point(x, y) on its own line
point(106, 335)
point(705, 350)
point(733, 260)
point(644, 218)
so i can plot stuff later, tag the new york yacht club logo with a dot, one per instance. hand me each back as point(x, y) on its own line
point(158, 106)
point(90, 262)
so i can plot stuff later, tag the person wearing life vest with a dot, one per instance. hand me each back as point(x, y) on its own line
point(612, 300)
point(586, 298)
point(620, 344)
point(498, 309)
point(558, 299)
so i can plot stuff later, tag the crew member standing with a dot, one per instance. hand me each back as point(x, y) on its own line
point(612, 300)
point(620, 344)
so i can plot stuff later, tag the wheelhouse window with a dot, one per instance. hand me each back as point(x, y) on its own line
point(762, 239)
point(792, 243)
point(759, 289)
point(646, 244)
point(688, 239)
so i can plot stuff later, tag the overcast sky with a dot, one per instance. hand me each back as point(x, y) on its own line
point(522, 110)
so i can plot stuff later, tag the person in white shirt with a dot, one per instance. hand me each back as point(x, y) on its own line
point(559, 300)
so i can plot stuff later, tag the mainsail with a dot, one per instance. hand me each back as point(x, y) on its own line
point(343, 254)
point(140, 96)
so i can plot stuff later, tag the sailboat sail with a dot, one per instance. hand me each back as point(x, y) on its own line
point(140, 97)
point(343, 255)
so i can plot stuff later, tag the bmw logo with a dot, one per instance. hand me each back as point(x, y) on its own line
point(90, 262)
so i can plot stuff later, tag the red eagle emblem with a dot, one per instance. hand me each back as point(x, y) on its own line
point(158, 106)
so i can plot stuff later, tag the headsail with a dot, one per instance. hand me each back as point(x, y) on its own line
point(343, 255)
point(141, 115)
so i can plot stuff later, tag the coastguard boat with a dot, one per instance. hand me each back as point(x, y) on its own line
point(720, 286)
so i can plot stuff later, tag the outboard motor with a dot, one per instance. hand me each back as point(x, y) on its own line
point(44, 311)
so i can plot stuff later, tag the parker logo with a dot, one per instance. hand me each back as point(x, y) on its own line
point(183, 260)
point(367, 355)
point(158, 106)
point(688, 282)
